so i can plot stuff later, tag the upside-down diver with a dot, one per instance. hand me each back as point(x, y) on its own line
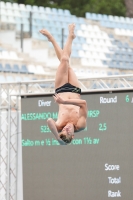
point(72, 109)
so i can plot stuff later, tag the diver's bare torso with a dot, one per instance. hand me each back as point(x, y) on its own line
point(67, 113)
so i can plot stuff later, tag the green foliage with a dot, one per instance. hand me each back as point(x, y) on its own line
point(111, 7)
point(9, 1)
point(80, 7)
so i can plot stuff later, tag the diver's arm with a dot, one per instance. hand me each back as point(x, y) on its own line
point(53, 128)
point(76, 102)
point(81, 123)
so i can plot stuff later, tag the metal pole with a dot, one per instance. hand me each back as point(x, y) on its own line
point(0, 14)
point(30, 24)
point(0, 128)
point(8, 147)
point(17, 116)
point(62, 42)
point(21, 35)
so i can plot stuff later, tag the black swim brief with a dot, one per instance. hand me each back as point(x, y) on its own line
point(68, 88)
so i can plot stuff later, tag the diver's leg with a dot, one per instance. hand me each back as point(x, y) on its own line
point(72, 78)
point(62, 71)
point(57, 48)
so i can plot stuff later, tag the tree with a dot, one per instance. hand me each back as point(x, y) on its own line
point(129, 8)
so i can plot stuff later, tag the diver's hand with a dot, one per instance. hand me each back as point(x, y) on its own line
point(58, 99)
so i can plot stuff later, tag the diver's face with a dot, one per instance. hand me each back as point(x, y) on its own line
point(68, 130)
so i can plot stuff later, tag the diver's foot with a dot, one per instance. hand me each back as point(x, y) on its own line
point(71, 28)
point(47, 34)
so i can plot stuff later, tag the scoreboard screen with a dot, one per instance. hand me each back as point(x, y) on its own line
point(97, 165)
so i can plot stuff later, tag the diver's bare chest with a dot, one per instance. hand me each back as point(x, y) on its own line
point(68, 115)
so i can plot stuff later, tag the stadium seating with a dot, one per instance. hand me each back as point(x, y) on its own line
point(7, 68)
point(15, 68)
point(118, 21)
point(122, 25)
point(92, 46)
point(2, 79)
point(23, 69)
point(1, 68)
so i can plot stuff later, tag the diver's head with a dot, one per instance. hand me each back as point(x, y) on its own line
point(67, 133)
